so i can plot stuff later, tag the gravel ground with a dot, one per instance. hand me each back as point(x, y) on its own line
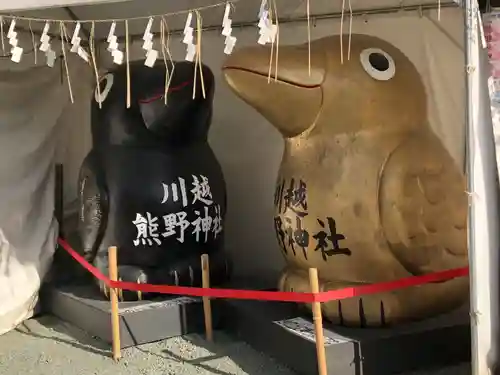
point(47, 346)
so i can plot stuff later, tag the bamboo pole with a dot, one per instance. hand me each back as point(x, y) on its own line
point(207, 310)
point(318, 323)
point(113, 295)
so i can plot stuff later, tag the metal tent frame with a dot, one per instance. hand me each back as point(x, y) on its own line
point(483, 185)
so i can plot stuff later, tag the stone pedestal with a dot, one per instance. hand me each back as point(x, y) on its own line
point(283, 332)
point(140, 322)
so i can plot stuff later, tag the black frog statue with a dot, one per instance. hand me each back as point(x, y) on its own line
point(151, 185)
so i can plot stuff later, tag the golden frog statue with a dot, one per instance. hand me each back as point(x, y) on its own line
point(366, 191)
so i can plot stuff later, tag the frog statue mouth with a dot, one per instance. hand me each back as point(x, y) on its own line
point(156, 114)
point(233, 72)
point(286, 85)
point(255, 62)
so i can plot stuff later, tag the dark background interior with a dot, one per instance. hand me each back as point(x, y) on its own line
point(485, 4)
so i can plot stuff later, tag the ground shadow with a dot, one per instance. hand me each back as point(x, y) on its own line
point(81, 340)
point(245, 357)
point(200, 363)
point(223, 347)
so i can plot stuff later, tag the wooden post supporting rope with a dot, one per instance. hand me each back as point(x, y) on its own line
point(318, 323)
point(113, 293)
point(207, 310)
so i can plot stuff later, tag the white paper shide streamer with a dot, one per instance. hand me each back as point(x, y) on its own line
point(113, 45)
point(16, 51)
point(268, 30)
point(151, 53)
point(75, 44)
point(189, 38)
point(227, 31)
point(46, 47)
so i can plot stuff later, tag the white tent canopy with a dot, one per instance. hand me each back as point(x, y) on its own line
point(39, 4)
point(246, 11)
point(133, 8)
point(436, 46)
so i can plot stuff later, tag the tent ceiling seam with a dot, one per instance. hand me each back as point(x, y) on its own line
point(74, 17)
point(318, 17)
point(240, 25)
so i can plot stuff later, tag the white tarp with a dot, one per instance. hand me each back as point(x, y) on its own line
point(32, 119)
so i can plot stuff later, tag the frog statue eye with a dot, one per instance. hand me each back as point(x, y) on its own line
point(105, 85)
point(378, 64)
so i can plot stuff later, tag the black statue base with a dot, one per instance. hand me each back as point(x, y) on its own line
point(140, 322)
point(285, 333)
point(72, 295)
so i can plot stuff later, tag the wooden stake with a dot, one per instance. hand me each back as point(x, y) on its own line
point(318, 323)
point(205, 273)
point(113, 293)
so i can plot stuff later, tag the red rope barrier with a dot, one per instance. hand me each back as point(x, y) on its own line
point(267, 295)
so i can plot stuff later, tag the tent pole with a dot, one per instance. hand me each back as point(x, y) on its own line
point(483, 187)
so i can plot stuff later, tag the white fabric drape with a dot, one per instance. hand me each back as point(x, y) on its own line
point(34, 121)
